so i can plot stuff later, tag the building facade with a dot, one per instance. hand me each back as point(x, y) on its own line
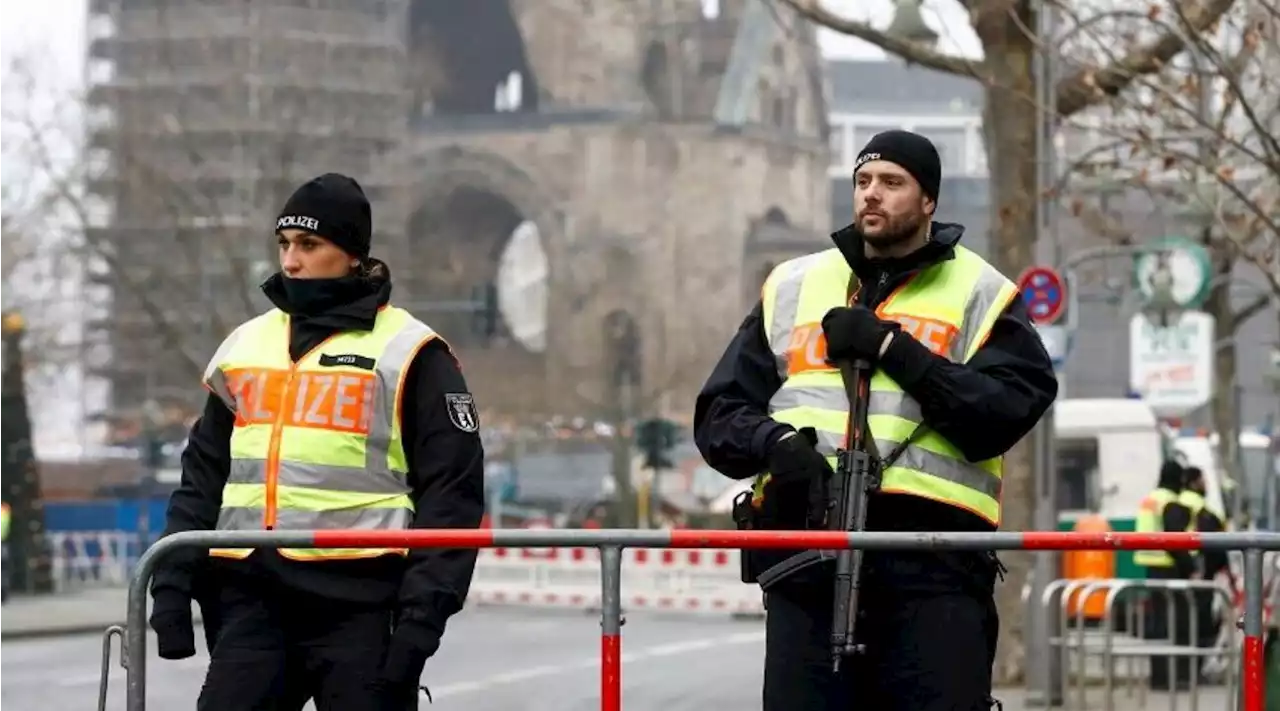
point(203, 117)
point(588, 169)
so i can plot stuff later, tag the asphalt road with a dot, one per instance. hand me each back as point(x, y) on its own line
point(492, 658)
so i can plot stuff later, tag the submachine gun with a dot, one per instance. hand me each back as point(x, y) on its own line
point(857, 477)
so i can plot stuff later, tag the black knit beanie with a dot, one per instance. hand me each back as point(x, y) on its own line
point(332, 206)
point(915, 153)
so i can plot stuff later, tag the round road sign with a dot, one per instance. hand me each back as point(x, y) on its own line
point(1188, 264)
point(1044, 292)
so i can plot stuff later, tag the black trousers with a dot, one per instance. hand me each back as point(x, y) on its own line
point(1164, 608)
point(925, 652)
point(275, 651)
point(1207, 624)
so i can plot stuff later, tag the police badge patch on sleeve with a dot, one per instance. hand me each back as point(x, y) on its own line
point(462, 411)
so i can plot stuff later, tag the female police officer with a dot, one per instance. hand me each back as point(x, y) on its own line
point(332, 410)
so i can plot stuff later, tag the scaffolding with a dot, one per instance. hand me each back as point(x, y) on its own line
point(203, 115)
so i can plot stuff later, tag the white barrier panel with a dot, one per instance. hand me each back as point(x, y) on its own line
point(670, 579)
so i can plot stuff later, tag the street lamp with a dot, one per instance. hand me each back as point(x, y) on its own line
point(908, 24)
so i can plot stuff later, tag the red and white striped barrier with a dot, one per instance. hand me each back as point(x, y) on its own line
point(92, 559)
point(685, 580)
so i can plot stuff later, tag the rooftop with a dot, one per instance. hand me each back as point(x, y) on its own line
point(876, 86)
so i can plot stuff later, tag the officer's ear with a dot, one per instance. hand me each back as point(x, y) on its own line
point(927, 205)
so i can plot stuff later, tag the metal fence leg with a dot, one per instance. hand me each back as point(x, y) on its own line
point(112, 631)
point(611, 629)
point(135, 634)
point(1252, 671)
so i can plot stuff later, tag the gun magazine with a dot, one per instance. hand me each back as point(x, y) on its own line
point(789, 567)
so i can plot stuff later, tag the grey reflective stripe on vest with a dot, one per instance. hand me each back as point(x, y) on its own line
point(319, 476)
point(898, 404)
point(395, 359)
point(956, 471)
point(365, 519)
point(214, 377)
point(786, 304)
point(985, 293)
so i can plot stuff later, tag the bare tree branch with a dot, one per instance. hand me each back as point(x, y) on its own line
point(1260, 302)
point(1092, 86)
point(912, 52)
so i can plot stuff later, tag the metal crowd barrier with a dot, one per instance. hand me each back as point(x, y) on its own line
point(611, 543)
point(1115, 588)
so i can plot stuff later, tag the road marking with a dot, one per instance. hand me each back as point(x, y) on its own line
point(658, 651)
point(117, 674)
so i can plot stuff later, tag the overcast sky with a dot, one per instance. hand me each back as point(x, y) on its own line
point(54, 29)
point(52, 34)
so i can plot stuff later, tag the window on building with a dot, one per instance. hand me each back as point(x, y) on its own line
point(951, 144)
point(778, 112)
point(839, 150)
point(864, 132)
point(1078, 475)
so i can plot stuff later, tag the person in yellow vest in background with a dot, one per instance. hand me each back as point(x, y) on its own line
point(4, 540)
point(1204, 520)
point(960, 376)
point(333, 410)
point(1163, 511)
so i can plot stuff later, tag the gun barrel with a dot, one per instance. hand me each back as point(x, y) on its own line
point(855, 479)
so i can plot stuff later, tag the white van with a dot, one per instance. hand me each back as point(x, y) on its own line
point(1109, 452)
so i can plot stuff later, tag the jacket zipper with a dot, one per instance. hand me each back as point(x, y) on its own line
point(273, 452)
point(277, 430)
point(873, 295)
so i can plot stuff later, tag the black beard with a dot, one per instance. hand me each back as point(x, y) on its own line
point(895, 232)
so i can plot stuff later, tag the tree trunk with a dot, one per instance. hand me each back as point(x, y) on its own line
point(1010, 121)
point(1225, 405)
point(28, 546)
point(625, 513)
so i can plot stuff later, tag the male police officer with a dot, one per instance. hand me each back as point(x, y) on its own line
point(1164, 511)
point(1204, 520)
point(954, 351)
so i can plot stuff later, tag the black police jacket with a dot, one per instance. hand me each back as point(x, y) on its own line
point(446, 473)
point(983, 407)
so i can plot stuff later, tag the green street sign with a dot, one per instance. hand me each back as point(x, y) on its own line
point(1188, 265)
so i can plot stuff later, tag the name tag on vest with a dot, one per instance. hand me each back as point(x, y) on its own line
point(333, 401)
point(350, 361)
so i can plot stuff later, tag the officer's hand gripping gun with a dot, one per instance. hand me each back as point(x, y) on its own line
point(857, 476)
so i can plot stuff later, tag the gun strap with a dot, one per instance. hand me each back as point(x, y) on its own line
point(850, 294)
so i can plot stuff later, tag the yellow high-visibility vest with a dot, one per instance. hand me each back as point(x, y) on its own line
point(1150, 519)
point(317, 444)
point(1194, 502)
point(950, 307)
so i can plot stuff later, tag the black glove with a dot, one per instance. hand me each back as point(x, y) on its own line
point(412, 644)
point(855, 332)
point(172, 621)
point(795, 466)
